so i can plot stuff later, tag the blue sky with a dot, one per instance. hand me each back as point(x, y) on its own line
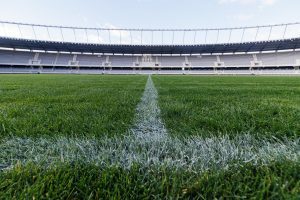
point(151, 13)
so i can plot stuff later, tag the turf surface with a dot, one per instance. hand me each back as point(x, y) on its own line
point(206, 106)
point(35, 105)
point(81, 181)
point(67, 115)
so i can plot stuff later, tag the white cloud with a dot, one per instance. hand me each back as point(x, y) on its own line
point(246, 2)
point(237, 1)
point(268, 2)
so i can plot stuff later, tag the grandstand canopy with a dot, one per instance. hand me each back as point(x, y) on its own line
point(149, 41)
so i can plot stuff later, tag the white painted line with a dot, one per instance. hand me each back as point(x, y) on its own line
point(149, 145)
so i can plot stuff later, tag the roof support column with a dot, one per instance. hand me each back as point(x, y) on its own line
point(195, 35)
point(206, 32)
point(74, 32)
point(141, 37)
point(109, 36)
point(131, 40)
point(284, 33)
point(20, 32)
point(256, 35)
point(34, 32)
point(62, 34)
point(243, 34)
point(173, 37)
point(98, 34)
point(87, 35)
point(120, 37)
point(49, 36)
point(270, 33)
point(152, 37)
point(230, 33)
point(218, 35)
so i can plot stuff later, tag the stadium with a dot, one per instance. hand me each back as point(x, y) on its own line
point(107, 100)
point(31, 48)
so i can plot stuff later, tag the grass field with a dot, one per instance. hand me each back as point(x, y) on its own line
point(117, 137)
point(206, 106)
point(68, 105)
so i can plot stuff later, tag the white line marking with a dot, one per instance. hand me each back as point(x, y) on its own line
point(148, 121)
point(148, 145)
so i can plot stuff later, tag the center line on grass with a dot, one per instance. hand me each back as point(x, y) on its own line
point(148, 123)
point(148, 144)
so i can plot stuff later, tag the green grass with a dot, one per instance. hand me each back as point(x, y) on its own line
point(261, 106)
point(67, 115)
point(72, 105)
point(81, 181)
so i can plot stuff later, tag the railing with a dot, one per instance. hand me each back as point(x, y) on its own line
point(149, 36)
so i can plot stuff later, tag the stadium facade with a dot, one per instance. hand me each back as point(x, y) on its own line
point(31, 48)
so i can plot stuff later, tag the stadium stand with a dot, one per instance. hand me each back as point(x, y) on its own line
point(24, 55)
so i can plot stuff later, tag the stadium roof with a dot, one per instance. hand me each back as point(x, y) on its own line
point(143, 41)
point(274, 45)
